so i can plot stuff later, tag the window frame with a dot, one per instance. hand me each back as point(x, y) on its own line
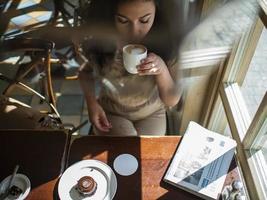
point(229, 99)
point(259, 121)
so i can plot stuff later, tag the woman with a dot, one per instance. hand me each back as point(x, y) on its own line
point(131, 104)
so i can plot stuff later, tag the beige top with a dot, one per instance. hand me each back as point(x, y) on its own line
point(129, 95)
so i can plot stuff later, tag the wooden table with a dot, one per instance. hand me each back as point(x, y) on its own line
point(39, 155)
point(153, 155)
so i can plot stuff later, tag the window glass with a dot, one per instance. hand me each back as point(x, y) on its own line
point(258, 152)
point(254, 86)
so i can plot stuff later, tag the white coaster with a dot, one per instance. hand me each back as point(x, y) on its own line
point(125, 164)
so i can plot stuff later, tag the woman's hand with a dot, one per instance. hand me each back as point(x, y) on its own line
point(98, 118)
point(152, 65)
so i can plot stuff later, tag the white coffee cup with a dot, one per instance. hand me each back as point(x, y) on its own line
point(132, 56)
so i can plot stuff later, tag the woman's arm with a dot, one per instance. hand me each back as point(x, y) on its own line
point(88, 86)
point(168, 90)
point(96, 113)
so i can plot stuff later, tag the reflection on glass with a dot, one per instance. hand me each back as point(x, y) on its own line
point(254, 86)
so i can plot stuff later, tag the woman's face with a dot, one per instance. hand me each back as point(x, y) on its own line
point(134, 19)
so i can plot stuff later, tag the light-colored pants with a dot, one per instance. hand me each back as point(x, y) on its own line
point(155, 124)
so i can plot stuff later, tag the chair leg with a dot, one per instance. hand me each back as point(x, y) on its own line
point(43, 88)
point(50, 92)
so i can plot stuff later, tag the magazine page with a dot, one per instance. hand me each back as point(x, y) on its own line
point(201, 163)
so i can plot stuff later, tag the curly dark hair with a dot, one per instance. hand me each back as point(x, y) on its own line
point(163, 39)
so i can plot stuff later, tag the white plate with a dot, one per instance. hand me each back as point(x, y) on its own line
point(20, 181)
point(99, 171)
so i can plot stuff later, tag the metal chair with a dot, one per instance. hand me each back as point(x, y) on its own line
point(8, 104)
point(71, 11)
point(39, 51)
point(26, 117)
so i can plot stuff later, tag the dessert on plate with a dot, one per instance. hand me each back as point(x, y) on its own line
point(86, 186)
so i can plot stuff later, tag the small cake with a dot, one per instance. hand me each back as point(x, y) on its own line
point(86, 186)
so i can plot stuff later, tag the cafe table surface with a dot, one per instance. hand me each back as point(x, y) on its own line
point(39, 155)
point(153, 154)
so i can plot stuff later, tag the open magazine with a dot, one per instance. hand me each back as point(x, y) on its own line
point(201, 162)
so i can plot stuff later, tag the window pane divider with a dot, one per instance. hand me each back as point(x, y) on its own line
point(204, 57)
point(256, 160)
point(232, 93)
point(258, 167)
point(242, 56)
point(231, 109)
point(263, 11)
point(256, 124)
point(260, 157)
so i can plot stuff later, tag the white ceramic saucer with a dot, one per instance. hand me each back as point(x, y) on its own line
point(125, 164)
point(21, 181)
point(99, 171)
